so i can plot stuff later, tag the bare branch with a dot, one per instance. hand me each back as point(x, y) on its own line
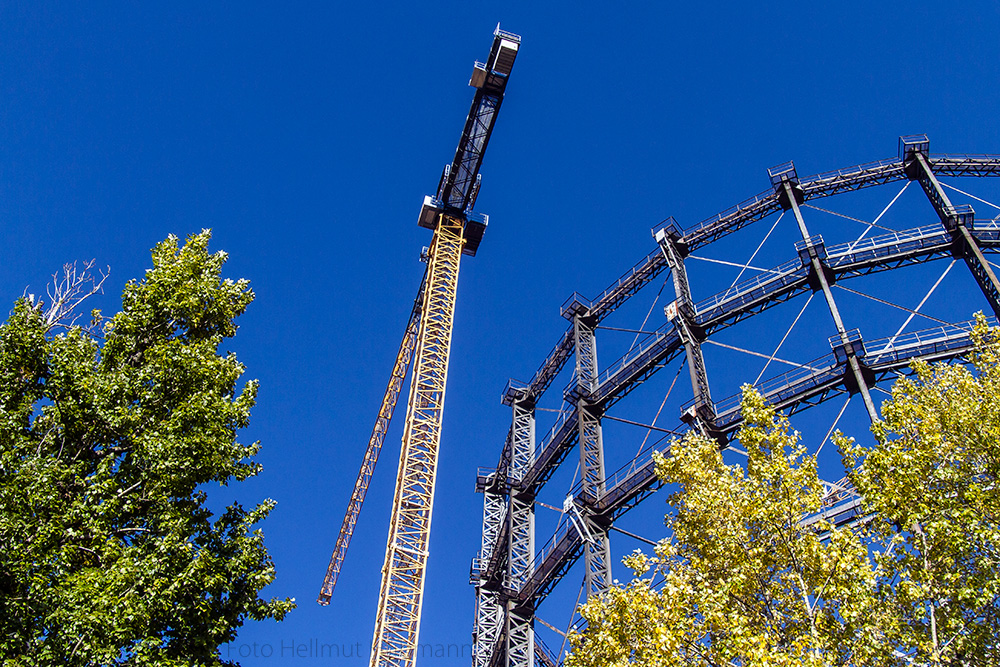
point(67, 291)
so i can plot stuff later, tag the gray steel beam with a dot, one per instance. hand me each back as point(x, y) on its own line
point(787, 186)
point(597, 546)
point(957, 220)
point(965, 165)
point(520, 619)
point(690, 334)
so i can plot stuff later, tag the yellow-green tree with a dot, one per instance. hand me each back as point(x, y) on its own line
point(742, 579)
point(930, 485)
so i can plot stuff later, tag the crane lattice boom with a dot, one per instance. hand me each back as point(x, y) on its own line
point(385, 413)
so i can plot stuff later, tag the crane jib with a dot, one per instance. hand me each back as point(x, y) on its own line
point(459, 185)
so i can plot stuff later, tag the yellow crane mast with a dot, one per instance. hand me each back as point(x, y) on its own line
point(398, 623)
point(457, 231)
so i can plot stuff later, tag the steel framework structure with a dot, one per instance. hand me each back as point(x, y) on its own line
point(510, 579)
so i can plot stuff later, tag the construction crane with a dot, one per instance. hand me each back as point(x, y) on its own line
point(427, 342)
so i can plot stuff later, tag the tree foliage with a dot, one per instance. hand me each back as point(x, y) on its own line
point(108, 435)
point(931, 488)
point(747, 576)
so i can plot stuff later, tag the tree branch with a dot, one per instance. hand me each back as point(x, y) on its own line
point(67, 291)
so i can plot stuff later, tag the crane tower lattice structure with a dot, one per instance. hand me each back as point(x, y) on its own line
point(457, 231)
point(400, 597)
point(512, 576)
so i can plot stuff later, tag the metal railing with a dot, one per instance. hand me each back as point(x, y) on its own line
point(926, 341)
point(644, 270)
point(647, 343)
point(818, 181)
point(845, 253)
point(754, 205)
point(765, 277)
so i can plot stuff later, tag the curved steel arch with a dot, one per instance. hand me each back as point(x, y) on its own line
point(510, 576)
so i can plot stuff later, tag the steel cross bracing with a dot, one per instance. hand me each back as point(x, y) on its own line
point(375, 442)
point(831, 376)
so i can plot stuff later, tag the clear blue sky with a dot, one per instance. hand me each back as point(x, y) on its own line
point(306, 135)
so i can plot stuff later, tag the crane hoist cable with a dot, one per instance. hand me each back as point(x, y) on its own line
point(457, 231)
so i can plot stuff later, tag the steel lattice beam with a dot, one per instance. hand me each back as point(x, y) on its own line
point(597, 546)
point(388, 407)
point(520, 633)
point(489, 607)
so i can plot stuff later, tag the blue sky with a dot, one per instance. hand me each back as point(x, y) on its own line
point(306, 136)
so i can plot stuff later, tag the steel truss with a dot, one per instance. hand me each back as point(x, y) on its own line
point(401, 594)
point(597, 547)
point(512, 578)
point(388, 407)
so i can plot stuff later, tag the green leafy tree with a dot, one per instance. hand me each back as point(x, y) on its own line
point(108, 435)
point(746, 578)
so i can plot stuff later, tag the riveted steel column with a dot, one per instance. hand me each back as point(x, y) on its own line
point(786, 184)
point(489, 609)
point(690, 333)
point(957, 220)
point(520, 635)
point(597, 546)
